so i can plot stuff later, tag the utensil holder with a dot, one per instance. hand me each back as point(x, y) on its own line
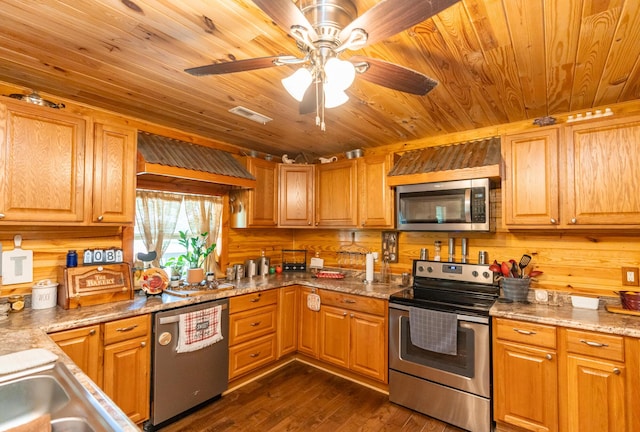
point(515, 289)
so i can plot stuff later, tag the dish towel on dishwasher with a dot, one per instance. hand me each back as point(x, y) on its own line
point(199, 329)
point(434, 330)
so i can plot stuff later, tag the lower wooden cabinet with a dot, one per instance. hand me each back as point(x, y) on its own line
point(351, 338)
point(525, 382)
point(117, 356)
point(287, 320)
point(548, 379)
point(307, 324)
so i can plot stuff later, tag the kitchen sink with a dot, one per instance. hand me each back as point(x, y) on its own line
point(52, 389)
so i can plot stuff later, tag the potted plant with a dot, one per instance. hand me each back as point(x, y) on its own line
point(176, 267)
point(195, 255)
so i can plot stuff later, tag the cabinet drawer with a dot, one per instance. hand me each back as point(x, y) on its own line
point(127, 328)
point(354, 302)
point(248, 356)
point(244, 326)
point(252, 301)
point(605, 346)
point(526, 332)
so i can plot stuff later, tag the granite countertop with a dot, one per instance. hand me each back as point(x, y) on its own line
point(28, 329)
point(566, 315)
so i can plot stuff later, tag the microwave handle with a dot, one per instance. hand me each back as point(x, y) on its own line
point(467, 205)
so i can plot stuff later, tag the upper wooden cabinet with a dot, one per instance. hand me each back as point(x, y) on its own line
point(581, 176)
point(114, 175)
point(42, 161)
point(296, 203)
point(257, 208)
point(375, 196)
point(530, 181)
point(336, 195)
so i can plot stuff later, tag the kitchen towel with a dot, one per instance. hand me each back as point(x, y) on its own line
point(199, 329)
point(434, 330)
point(27, 359)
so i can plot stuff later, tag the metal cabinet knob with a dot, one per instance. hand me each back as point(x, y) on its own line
point(549, 357)
point(574, 221)
point(616, 371)
point(1, 215)
point(92, 332)
point(553, 221)
point(309, 223)
point(100, 218)
point(143, 344)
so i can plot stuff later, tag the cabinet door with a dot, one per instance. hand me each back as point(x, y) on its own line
point(602, 161)
point(287, 313)
point(376, 197)
point(126, 376)
point(114, 174)
point(525, 386)
point(307, 325)
point(530, 181)
point(334, 336)
point(83, 346)
point(42, 161)
point(596, 396)
point(336, 194)
point(263, 200)
point(368, 350)
point(296, 196)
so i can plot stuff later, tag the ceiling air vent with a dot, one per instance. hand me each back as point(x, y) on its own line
point(251, 115)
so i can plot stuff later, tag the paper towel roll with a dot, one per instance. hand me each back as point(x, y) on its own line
point(369, 268)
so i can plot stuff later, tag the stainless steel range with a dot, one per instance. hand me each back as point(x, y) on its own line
point(440, 343)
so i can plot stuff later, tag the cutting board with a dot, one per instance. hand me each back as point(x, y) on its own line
point(17, 264)
point(620, 310)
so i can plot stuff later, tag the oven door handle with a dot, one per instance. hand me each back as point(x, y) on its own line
point(460, 317)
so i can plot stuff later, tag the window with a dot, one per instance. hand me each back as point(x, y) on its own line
point(160, 216)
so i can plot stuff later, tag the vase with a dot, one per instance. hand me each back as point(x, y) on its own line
point(195, 275)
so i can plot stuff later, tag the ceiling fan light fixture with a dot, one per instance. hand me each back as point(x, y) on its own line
point(334, 97)
point(298, 83)
point(339, 73)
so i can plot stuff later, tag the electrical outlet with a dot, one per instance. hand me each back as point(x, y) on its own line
point(630, 276)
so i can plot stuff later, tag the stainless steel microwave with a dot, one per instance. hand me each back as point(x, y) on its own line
point(461, 205)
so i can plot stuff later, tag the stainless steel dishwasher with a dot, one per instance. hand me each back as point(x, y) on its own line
point(184, 380)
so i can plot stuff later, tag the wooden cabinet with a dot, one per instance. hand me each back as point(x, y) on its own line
point(375, 197)
point(117, 356)
point(127, 364)
point(114, 174)
point(257, 208)
point(252, 331)
point(42, 161)
point(287, 320)
point(307, 324)
point(579, 176)
point(530, 181)
point(525, 365)
point(296, 192)
point(336, 194)
point(595, 382)
point(84, 346)
point(353, 333)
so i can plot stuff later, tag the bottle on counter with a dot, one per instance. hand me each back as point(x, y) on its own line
point(436, 253)
point(385, 273)
point(72, 258)
point(263, 264)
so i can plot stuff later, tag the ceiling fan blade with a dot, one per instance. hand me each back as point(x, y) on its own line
point(286, 14)
point(308, 103)
point(234, 66)
point(394, 76)
point(389, 17)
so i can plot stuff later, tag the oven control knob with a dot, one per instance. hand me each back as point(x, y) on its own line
point(474, 273)
point(420, 269)
point(486, 275)
point(430, 269)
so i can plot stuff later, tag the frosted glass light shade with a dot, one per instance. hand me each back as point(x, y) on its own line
point(297, 83)
point(339, 73)
point(334, 97)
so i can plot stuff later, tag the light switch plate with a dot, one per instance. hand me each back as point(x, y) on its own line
point(542, 296)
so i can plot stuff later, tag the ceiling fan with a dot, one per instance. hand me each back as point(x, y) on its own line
point(323, 30)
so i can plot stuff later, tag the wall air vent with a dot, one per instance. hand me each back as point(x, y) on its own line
point(251, 115)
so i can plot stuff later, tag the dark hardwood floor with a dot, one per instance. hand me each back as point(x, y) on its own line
point(299, 397)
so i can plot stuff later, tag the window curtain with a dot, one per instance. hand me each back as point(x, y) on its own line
point(156, 218)
point(205, 215)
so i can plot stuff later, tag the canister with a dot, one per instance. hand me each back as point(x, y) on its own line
point(250, 268)
point(44, 294)
point(239, 270)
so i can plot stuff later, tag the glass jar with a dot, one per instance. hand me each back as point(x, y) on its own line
point(16, 303)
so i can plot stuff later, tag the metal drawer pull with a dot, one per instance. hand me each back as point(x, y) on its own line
point(524, 332)
point(349, 301)
point(254, 355)
point(143, 344)
point(92, 332)
point(254, 324)
point(257, 299)
point(594, 344)
point(616, 371)
point(549, 357)
point(126, 329)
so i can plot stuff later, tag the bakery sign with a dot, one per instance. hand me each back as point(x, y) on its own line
point(89, 285)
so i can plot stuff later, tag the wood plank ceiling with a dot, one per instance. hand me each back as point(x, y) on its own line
point(496, 61)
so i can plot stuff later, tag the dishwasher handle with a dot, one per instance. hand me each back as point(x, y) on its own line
point(176, 318)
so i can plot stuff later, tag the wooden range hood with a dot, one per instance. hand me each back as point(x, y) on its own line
point(173, 165)
point(460, 161)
